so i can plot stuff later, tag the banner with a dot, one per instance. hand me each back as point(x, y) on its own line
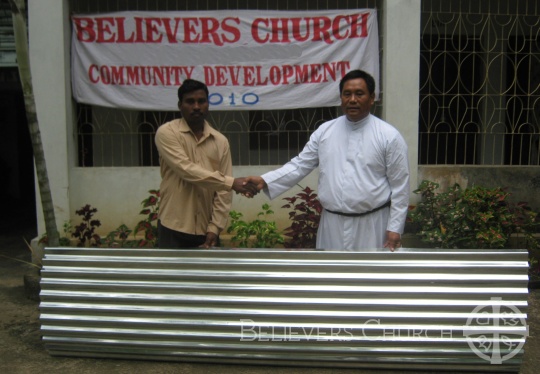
point(250, 59)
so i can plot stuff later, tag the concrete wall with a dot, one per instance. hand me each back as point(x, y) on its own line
point(117, 194)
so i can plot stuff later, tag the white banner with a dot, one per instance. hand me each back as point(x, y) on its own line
point(250, 59)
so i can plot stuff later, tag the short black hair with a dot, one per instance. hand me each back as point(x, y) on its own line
point(190, 85)
point(355, 74)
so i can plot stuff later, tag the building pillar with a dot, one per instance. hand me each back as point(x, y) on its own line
point(400, 73)
point(49, 41)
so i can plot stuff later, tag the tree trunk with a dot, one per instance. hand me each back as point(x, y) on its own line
point(23, 62)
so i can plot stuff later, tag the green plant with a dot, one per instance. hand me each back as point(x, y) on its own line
point(475, 217)
point(258, 233)
point(534, 264)
point(119, 238)
point(85, 231)
point(305, 216)
point(64, 240)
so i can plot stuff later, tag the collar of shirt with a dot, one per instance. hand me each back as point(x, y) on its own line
point(357, 124)
point(207, 130)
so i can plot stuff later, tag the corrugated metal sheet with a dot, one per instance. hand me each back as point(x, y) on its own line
point(410, 309)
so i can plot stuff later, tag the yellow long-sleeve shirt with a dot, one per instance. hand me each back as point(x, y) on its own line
point(196, 182)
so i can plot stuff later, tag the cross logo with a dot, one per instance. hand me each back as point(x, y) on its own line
point(496, 332)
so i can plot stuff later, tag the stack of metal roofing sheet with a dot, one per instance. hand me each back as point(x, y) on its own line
point(409, 309)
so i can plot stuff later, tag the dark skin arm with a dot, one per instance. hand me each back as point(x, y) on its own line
point(255, 182)
point(240, 186)
point(393, 240)
point(211, 241)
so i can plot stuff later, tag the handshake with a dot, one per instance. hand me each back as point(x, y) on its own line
point(248, 186)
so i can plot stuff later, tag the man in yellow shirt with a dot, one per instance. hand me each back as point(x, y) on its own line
point(196, 171)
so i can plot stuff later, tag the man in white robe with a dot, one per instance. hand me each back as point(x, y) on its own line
point(363, 173)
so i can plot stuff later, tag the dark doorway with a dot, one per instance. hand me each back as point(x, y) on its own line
point(16, 158)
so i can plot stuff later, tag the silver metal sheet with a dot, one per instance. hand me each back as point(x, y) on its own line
point(409, 309)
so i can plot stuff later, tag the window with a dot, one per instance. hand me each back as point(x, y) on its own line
point(480, 83)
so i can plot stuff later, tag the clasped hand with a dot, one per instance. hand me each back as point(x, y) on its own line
point(248, 186)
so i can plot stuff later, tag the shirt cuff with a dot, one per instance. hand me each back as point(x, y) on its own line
point(213, 229)
point(229, 181)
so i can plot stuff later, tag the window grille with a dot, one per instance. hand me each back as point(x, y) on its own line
point(115, 137)
point(480, 82)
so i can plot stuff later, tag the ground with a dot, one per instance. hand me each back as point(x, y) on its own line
point(21, 350)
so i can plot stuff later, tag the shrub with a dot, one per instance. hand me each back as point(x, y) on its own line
point(119, 238)
point(149, 224)
point(85, 231)
point(86, 234)
point(475, 217)
point(258, 233)
point(305, 216)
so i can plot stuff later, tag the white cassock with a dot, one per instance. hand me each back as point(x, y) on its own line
point(362, 165)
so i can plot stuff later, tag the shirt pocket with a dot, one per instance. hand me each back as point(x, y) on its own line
point(214, 163)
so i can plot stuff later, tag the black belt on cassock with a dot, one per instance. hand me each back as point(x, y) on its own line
point(360, 214)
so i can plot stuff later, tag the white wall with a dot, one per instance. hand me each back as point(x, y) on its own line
point(117, 194)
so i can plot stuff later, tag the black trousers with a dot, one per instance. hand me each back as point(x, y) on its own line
point(171, 239)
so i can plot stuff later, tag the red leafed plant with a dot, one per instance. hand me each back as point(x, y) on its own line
point(119, 238)
point(149, 224)
point(305, 217)
point(85, 231)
